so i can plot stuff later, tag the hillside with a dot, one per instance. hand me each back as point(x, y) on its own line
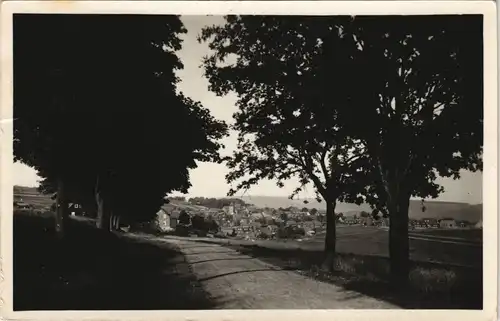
point(182, 205)
point(434, 209)
point(26, 190)
point(31, 196)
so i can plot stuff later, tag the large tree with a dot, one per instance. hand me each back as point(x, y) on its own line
point(284, 132)
point(97, 110)
point(418, 82)
point(407, 90)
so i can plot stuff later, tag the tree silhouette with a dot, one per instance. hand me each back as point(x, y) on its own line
point(198, 222)
point(418, 82)
point(285, 133)
point(184, 218)
point(364, 214)
point(284, 217)
point(97, 108)
point(215, 202)
point(403, 93)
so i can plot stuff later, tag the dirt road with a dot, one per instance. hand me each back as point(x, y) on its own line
point(237, 281)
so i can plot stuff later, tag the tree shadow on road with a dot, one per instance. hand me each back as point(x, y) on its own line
point(210, 252)
point(435, 286)
point(94, 270)
point(223, 259)
point(241, 272)
point(197, 246)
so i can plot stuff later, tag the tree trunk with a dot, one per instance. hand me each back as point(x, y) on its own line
point(103, 213)
point(111, 221)
point(399, 246)
point(61, 209)
point(115, 222)
point(331, 236)
point(398, 191)
point(102, 222)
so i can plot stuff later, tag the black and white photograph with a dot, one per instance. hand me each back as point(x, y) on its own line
point(232, 160)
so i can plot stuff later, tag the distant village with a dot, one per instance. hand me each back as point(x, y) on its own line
point(237, 218)
point(234, 217)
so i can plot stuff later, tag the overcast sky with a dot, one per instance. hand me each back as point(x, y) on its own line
point(208, 179)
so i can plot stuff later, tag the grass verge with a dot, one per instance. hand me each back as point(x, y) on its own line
point(94, 270)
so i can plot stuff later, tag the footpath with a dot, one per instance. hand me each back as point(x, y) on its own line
point(237, 281)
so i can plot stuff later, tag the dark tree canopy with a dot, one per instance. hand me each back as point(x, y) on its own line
point(421, 94)
point(184, 218)
point(95, 96)
point(303, 79)
point(198, 222)
point(364, 214)
point(215, 202)
point(283, 130)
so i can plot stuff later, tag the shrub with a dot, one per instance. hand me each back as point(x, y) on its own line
point(263, 236)
point(432, 280)
point(182, 230)
point(198, 223)
point(290, 232)
point(184, 218)
point(145, 227)
point(220, 235)
point(425, 278)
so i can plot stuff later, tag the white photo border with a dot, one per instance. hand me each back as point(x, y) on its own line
point(490, 175)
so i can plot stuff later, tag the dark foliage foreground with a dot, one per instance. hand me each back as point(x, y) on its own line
point(95, 270)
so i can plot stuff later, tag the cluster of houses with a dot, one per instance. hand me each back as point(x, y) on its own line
point(445, 223)
point(240, 219)
point(238, 209)
point(244, 219)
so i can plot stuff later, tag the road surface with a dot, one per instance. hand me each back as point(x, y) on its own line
point(238, 281)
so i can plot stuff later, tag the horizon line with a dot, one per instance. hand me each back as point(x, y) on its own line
point(312, 198)
point(187, 196)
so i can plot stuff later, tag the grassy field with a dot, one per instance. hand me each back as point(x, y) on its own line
point(39, 202)
point(372, 241)
point(467, 234)
point(31, 196)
